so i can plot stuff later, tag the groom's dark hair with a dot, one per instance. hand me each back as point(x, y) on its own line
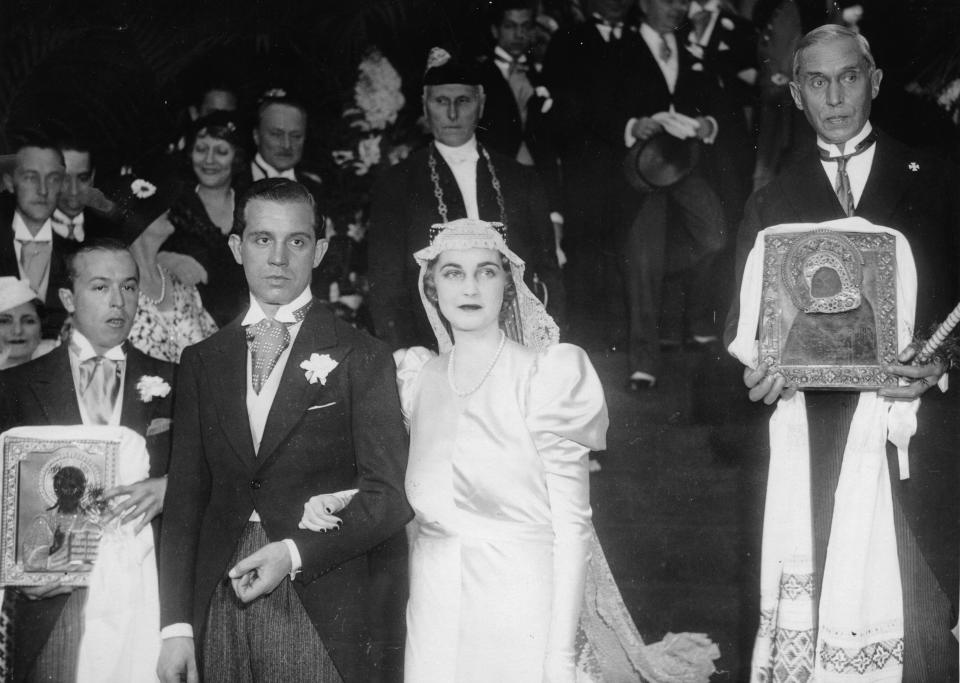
point(282, 191)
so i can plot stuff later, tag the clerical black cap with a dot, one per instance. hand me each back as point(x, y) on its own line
point(443, 68)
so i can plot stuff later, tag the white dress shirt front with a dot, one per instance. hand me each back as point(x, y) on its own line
point(22, 233)
point(858, 167)
point(462, 161)
point(670, 68)
point(260, 169)
point(79, 350)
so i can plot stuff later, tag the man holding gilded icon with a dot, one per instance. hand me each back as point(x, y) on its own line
point(881, 520)
point(95, 378)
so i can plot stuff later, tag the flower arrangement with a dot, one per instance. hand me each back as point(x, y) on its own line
point(373, 134)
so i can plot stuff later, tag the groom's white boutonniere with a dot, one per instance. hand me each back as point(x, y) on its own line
point(151, 387)
point(318, 367)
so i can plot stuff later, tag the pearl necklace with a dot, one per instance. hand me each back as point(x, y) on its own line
point(451, 370)
point(163, 289)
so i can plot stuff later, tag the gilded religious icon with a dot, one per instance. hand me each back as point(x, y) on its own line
point(829, 314)
point(52, 508)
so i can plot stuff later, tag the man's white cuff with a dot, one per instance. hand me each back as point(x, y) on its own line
point(295, 562)
point(176, 631)
point(628, 137)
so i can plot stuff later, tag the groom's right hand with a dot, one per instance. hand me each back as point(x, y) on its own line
point(177, 661)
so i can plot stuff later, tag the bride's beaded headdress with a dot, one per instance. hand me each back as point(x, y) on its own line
point(526, 321)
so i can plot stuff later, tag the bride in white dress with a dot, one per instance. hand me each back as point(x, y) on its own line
point(507, 581)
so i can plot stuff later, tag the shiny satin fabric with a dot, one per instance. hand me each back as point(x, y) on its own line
point(499, 484)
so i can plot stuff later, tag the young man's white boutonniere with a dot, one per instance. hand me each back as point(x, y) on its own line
point(318, 367)
point(150, 387)
point(143, 189)
point(544, 94)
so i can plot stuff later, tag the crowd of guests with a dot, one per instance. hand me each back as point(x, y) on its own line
point(578, 173)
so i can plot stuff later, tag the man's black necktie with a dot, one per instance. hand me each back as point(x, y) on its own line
point(841, 185)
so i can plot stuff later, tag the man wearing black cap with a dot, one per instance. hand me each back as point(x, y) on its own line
point(453, 177)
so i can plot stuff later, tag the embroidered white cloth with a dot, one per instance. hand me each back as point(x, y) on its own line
point(121, 630)
point(860, 616)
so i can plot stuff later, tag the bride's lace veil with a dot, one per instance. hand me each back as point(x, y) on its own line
point(525, 320)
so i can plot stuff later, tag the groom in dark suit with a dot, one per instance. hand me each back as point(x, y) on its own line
point(282, 404)
point(92, 379)
point(834, 82)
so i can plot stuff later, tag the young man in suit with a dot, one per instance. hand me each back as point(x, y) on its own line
point(91, 379)
point(834, 83)
point(515, 113)
point(282, 404)
point(29, 247)
point(72, 220)
point(453, 177)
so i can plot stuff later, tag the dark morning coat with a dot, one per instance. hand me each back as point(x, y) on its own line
point(55, 313)
point(404, 207)
point(597, 88)
point(502, 129)
point(41, 393)
point(318, 438)
point(917, 194)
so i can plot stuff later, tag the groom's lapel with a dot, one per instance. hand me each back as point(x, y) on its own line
point(229, 374)
point(294, 396)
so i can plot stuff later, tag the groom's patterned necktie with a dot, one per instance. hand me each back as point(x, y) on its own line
point(268, 339)
point(841, 185)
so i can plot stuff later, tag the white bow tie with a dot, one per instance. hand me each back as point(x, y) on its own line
point(62, 224)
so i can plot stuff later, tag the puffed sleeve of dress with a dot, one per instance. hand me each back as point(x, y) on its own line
point(409, 364)
point(567, 416)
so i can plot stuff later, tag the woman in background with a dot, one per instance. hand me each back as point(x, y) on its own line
point(21, 315)
point(170, 316)
point(203, 213)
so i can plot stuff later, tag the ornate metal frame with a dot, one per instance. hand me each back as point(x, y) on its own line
point(874, 266)
point(93, 455)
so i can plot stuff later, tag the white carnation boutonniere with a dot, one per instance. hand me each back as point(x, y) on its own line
point(150, 387)
point(318, 367)
point(143, 189)
point(544, 94)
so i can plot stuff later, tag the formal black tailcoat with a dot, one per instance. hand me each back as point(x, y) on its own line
point(502, 128)
point(319, 438)
point(41, 393)
point(404, 208)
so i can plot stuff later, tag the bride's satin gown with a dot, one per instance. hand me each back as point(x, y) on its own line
point(499, 483)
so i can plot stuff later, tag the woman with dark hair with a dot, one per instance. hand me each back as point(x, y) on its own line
point(21, 318)
point(203, 213)
point(507, 579)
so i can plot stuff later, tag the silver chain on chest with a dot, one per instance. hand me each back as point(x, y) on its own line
point(438, 191)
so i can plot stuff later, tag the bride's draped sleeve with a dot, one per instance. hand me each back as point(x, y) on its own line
point(409, 364)
point(567, 417)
